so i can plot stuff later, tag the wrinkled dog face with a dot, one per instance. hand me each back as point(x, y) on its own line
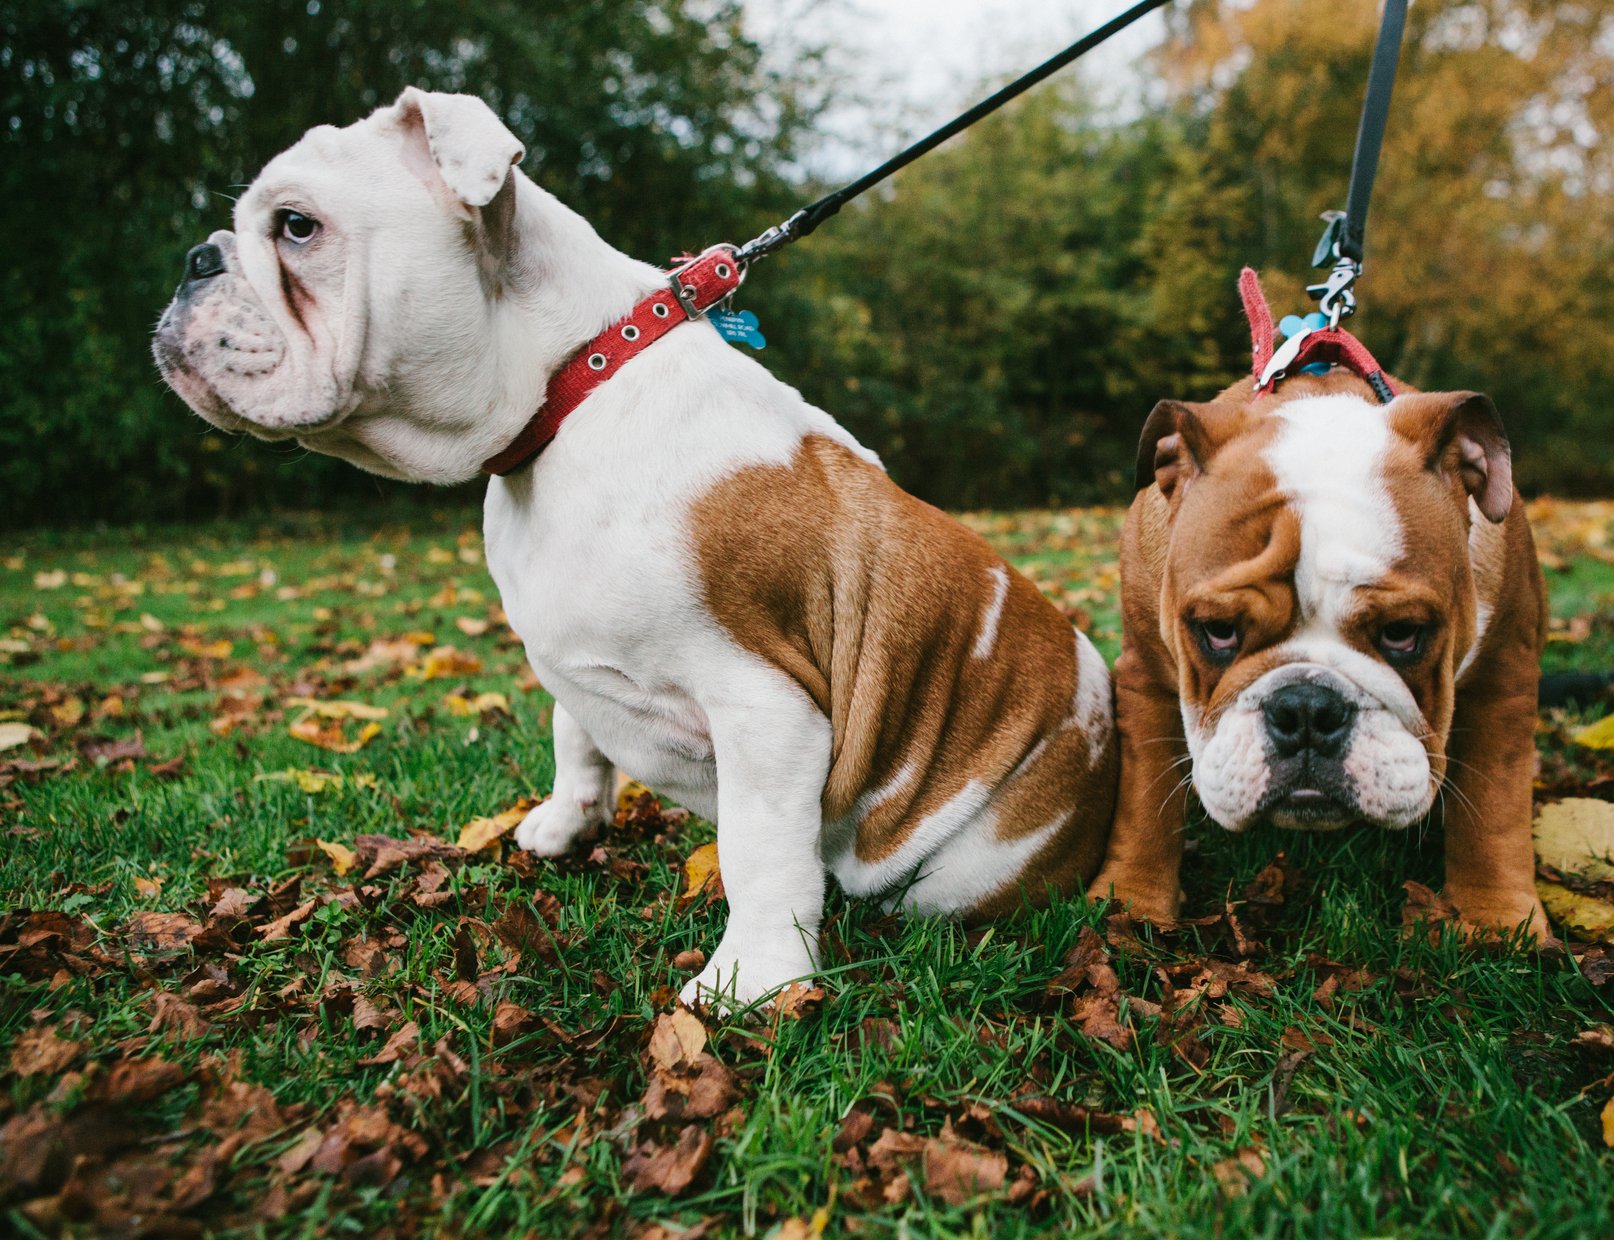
point(356, 283)
point(1323, 595)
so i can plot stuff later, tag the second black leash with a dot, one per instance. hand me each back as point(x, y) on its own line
point(1344, 242)
point(810, 217)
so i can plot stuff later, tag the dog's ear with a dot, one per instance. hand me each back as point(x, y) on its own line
point(1172, 448)
point(1460, 435)
point(468, 146)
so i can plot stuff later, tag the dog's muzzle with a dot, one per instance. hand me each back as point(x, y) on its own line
point(1308, 728)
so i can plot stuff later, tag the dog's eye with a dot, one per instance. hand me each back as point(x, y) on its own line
point(1402, 640)
point(1219, 639)
point(296, 227)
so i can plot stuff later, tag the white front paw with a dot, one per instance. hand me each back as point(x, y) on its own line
point(735, 979)
point(553, 827)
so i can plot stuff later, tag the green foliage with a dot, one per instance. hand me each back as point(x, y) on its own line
point(996, 322)
point(125, 128)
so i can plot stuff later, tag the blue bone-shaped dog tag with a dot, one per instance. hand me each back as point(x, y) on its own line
point(738, 327)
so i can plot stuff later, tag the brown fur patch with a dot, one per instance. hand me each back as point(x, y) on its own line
point(872, 601)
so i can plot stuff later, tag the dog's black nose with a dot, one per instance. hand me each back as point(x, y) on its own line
point(1307, 716)
point(203, 261)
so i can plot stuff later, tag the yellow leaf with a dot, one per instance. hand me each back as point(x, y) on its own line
point(14, 734)
point(1608, 1124)
point(314, 782)
point(461, 706)
point(700, 872)
point(67, 713)
point(482, 833)
point(220, 649)
point(471, 626)
point(337, 709)
point(342, 857)
point(331, 736)
point(630, 791)
point(1576, 836)
point(447, 661)
point(1599, 735)
point(1583, 917)
point(148, 887)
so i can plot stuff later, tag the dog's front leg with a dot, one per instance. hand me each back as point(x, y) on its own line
point(581, 800)
point(1490, 855)
point(772, 763)
point(1144, 855)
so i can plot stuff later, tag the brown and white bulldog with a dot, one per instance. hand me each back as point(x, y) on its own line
point(723, 590)
point(1333, 613)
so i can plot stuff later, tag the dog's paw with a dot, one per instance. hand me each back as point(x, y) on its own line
point(1499, 917)
point(1146, 900)
point(732, 983)
point(552, 828)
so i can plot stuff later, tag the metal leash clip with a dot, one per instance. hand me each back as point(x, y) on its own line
point(775, 238)
point(1336, 295)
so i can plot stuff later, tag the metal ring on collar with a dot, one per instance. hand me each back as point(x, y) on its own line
point(629, 332)
point(660, 310)
point(596, 361)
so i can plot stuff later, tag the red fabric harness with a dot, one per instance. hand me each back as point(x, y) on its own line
point(692, 289)
point(1333, 344)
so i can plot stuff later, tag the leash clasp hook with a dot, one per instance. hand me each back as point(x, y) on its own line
point(1336, 295)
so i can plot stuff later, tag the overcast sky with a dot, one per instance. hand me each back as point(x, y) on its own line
point(918, 62)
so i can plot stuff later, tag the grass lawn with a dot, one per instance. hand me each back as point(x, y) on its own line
point(250, 985)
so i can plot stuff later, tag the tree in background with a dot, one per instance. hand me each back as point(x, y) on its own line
point(1001, 321)
point(1490, 258)
point(125, 127)
point(996, 322)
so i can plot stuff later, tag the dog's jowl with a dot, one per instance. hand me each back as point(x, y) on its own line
point(725, 593)
point(1333, 614)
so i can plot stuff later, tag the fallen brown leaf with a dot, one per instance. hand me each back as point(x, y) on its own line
point(669, 1169)
point(677, 1039)
point(161, 931)
point(41, 1051)
point(1236, 1174)
point(332, 736)
point(171, 1014)
point(400, 1044)
point(959, 1171)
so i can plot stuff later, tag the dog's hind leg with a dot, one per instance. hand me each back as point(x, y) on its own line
point(581, 801)
point(772, 761)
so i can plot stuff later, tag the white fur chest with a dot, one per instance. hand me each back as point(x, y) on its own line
point(592, 554)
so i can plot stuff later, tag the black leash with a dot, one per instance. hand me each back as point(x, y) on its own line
point(1344, 241)
point(810, 217)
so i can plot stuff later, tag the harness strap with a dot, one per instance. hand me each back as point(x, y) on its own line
point(1330, 344)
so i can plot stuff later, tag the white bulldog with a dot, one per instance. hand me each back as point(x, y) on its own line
point(724, 592)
